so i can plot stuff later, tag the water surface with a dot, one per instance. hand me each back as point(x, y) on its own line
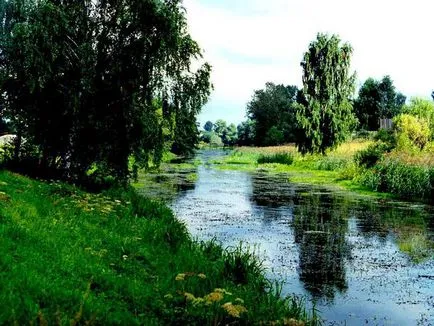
point(337, 249)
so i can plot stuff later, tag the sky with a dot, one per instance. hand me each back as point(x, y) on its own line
point(250, 42)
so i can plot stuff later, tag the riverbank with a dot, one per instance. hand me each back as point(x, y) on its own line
point(337, 169)
point(72, 257)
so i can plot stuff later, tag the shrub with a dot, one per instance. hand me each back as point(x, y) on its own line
point(363, 134)
point(281, 158)
point(6, 154)
point(423, 109)
point(411, 131)
point(370, 156)
point(386, 136)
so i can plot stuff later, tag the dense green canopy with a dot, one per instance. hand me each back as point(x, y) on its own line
point(102, 82)
point(325, 113)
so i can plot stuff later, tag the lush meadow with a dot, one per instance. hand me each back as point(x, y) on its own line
point(72, 257)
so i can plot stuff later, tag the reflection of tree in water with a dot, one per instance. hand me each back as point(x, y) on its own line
point(273, 191)
point(379, 219)
point(320, 224)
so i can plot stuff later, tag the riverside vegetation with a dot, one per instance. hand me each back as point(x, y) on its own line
point(73, 257)
point(362, 165)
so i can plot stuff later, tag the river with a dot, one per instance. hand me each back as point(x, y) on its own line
point(339, 250)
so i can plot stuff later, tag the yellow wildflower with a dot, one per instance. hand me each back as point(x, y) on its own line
point(214, 297)
point(180, 277)
point(202, 276)
point(234, 310)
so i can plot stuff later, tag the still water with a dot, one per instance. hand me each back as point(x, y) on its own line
point(339, 250)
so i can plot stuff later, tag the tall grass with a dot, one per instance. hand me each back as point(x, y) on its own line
point(400, 178)
point(70, 257)
point(281, 158)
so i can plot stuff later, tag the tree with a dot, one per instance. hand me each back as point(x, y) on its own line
point(391, 102)
point(98, 82)
point(246, 133)
point(326, 118)
point(422, 109)
point(230, 135)
point(272, 107)
point(208, 126)
point(220, 127)
point(377, 100)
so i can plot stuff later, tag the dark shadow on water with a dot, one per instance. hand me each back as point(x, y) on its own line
point(320, 225)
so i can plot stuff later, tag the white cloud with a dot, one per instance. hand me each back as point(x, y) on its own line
point(251, 42)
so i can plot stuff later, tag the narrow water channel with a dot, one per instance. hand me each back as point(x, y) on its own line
point(338, 250)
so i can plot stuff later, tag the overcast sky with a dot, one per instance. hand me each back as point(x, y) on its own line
point(250, 42)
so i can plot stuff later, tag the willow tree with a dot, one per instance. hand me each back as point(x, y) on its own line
point(96, 83)
point(324, 113)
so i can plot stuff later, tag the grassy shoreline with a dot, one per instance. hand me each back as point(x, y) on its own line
point(336, 169)
point(71, 257)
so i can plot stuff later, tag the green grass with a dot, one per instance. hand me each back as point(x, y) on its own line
point(402, 176)
point(71, 257)
point(280, 158)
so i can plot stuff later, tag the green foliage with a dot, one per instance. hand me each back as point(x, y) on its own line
point(246, 133)
point(70, 257)
point(273, 108)
point(221, 134)
point(411, 132)
point(208, 126)
point(369, 157)
point(386, 136)
point(274, 136)
point(331, 163)
point(212, 139)
point(377, 99)
point(281, 158)
point(325, 114)
point(423, 109)
point(100, 82)
point(404, 180)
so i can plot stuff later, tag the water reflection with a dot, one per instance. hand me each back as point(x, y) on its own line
point(320, 225)
point(350, 254)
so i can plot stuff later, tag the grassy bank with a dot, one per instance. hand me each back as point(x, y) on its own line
point(71, 257)
point(335, 169)
point(396, 175)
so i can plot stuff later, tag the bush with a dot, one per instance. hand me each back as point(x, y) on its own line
point(411, 131)
point(369, 157)
point(6, 154)
point(281, 158)
point(404, 180)
point(423, 109)
point(362, 134)
point(386, 136)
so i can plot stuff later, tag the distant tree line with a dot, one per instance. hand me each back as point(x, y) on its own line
point(100, 86)
point(324, 113)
